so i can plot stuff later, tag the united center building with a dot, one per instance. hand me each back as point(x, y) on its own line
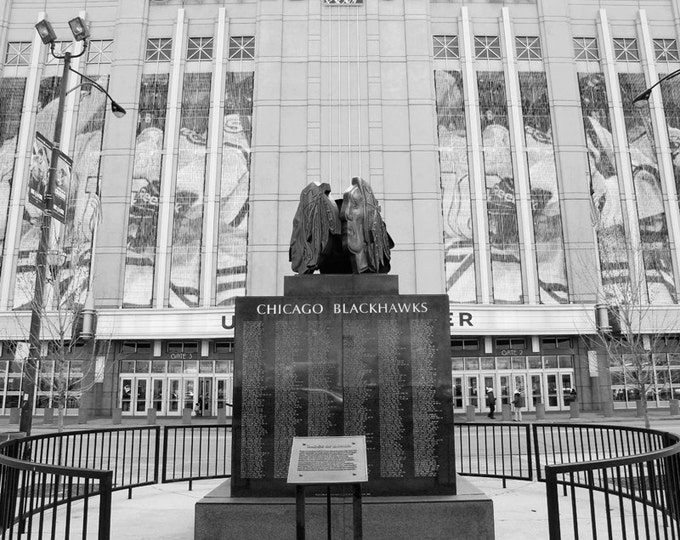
point(500, 138)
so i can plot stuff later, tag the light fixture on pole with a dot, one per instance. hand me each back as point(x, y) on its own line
point(46, 32)
point(42, 260)
point(79, 29)
point(116, 109)
point(644, 96)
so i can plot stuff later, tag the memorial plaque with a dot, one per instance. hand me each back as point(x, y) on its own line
point(376, 366)
point(328, 460)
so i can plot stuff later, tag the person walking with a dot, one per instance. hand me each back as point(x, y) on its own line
point(517, 405)
point(490, 402)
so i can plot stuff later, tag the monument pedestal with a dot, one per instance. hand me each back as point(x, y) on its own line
point(469, 514)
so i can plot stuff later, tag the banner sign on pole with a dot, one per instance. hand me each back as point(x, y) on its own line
point(39, 176)
point(61, 186)
point(39, 171)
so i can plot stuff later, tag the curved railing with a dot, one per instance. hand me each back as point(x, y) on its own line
point(37, 499)
point(617, 481)
point(627, 478)
point(37, 492)
point(623, 497)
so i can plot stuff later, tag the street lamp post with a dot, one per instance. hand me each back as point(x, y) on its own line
point(30, 370)
point(644, 96)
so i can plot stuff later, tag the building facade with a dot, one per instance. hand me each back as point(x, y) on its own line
point(501, 139)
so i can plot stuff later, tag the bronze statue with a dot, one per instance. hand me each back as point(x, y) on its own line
point(316, 231)
point(364, 234)
point(355, 240)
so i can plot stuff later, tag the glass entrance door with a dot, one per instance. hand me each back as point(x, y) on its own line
point(173, 397)
point(519, 384)
point(204, 399)
point(553, 392)
point(141, 402)
point(126, 396)
point(225, 394)
point(473, 392)
point(536, 395)
point(568, 391)
point(189, 387)
point(157, 401)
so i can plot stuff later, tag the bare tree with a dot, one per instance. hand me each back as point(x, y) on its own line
point(69, 363)
point(631, 327)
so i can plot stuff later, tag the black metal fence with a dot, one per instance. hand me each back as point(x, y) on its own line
point(37, 501)
point(196, 452)
point(497, 450)
point(41, 477)
point(627, 479)
point(617, 482)
point(636, 496)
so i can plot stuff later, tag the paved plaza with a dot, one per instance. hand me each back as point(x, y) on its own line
point(167, 510)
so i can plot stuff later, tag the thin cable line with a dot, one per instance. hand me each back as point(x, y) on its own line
point(358, 61)
point(329, 98)
point(339, 104)
point(349, 99)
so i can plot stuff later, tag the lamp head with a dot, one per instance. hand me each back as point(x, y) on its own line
point(79, 28)
point(117, 110)
point(46, 32)
point(640, 101)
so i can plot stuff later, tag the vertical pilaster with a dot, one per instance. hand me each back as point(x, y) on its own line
point(24, 147)
point(5, 11)
point(210, 225)
point(165, 210)
point(476, 169)
point(522, 188)
point(660, 130)
point(620, 142)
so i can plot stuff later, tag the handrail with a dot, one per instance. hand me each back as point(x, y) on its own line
point(650, 479)
point(43, 484)
point(562, 468)
point(635, 464)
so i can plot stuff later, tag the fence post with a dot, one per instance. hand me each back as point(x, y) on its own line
point(164, 455)
point(470, 412)
point(105, 488)
point(540, 411)
point(573, 410)
point(157, 453)
point(552, 499)
point(9, 484)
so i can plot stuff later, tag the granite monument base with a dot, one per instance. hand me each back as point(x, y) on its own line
point(469, 514)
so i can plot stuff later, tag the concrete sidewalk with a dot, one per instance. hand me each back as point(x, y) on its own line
point(167, 510)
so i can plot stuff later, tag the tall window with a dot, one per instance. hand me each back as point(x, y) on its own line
point(234, 188)
point(455, 185)
point(500, 189)
point(545, 200)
